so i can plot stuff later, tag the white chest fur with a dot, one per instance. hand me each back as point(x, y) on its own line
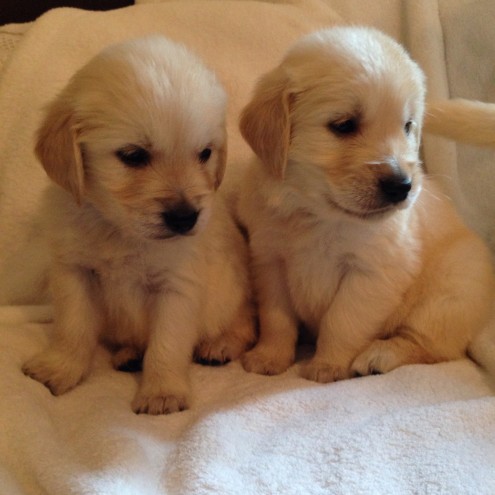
point(317, 247)
point(128, 276)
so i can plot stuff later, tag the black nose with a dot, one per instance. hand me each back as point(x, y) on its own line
point(180, 220)
point(395, 189)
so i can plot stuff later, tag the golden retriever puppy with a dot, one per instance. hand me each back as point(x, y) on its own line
point(347, 235)
point(145, 255)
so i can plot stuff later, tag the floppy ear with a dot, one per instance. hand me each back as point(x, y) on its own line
point(265, 122)
point(58, 150)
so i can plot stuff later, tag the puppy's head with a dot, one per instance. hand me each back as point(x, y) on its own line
point(346, 105)
point(139, 133)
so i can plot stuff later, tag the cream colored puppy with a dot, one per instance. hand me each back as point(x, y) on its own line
point(145, 254)
point(347, 235)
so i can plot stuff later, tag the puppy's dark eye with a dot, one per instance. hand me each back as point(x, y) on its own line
point(344, 127)
point(204, 155)
point(134, 156)
point(408, 127)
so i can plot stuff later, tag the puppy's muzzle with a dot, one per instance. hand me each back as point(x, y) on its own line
point(180, 219)
point(395, 188)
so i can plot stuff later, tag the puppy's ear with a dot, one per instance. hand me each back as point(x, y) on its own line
point(265, 122)
point(58, 150)
point(222, 161)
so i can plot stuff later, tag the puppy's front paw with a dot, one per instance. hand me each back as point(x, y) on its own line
point(266, 361)
point(57, 371)
point(163, 395)
point(160, 403)
point(323, 372)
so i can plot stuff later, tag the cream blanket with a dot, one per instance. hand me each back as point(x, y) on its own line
point(418, 430)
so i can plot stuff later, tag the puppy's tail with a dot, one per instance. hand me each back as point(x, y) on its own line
point(466, 121)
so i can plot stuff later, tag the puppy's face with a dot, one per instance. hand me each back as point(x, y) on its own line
point(139, 133)
point(347, 105)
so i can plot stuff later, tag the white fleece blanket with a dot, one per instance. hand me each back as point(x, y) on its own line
point(418, 430)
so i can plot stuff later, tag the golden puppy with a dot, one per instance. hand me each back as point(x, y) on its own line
point(145, 254)
point(347, 235)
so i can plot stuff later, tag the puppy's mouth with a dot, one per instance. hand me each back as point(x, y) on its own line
point(387, 196)
point(164, 236)
point(374, 213)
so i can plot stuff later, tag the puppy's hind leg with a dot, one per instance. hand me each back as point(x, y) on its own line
point(231, 342)
point(449, 304)
point(78, 320)
point(384, 355)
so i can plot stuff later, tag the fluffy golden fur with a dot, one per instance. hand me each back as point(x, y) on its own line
point(347, 235)
point(145, 255)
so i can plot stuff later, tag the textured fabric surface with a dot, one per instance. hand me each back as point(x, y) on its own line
point(10, 35)
point(418, 430)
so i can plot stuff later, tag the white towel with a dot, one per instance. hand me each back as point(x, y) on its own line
point(417, 430)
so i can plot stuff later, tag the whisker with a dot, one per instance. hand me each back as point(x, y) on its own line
point(439, 195)
point(443, 176)
point(434, 196)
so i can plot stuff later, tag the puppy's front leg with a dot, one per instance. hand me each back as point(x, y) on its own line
point(276, 347)
point(77, 324)
point(165, 384)
point(357, 313)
